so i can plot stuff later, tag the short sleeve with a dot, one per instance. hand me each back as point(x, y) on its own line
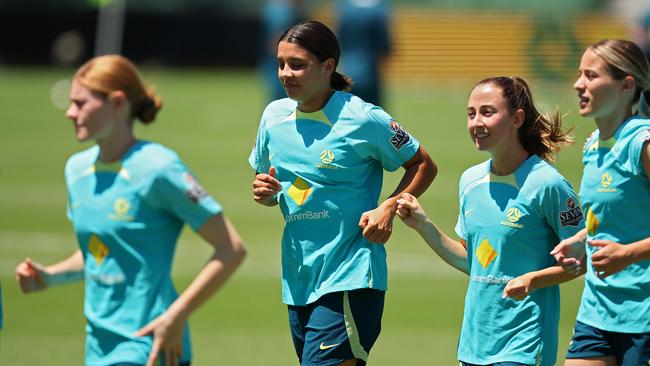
point(177, 191)
point(561, 208)
point(389, 142)
point(636, 149)
point(259, 157)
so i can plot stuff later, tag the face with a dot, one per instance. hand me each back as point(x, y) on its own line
point(90, 112)
point(302, 75)
point(490, 124)
point(599, 94)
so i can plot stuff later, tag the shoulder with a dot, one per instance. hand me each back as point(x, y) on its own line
point(354, 109)
point(634, 127)
point(278, 110)
point(473, 174)
point(589, 142)
point(544, 176)
point(81, 161)
point(149, 159)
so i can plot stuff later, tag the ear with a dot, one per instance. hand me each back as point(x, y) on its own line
point(629, 83)
point(519, 116)
point(118, 98)
point(330, 66)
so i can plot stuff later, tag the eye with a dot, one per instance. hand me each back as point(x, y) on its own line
point(487, 112)
point(471, 114)
point(297, 66)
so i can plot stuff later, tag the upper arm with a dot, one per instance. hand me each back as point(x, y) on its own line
point(645, 157)
point(220, 233)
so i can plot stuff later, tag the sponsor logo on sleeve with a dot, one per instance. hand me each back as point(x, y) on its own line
point(401, 137)
point(194, 191)
point(572, 216)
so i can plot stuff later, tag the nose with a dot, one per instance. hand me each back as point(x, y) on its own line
point(579, 85)
point(284, 72)
point(71, 112)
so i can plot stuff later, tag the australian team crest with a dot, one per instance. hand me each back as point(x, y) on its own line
point(572, 216)
point(401, 137)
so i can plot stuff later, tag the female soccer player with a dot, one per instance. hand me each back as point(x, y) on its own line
point(320, 155)
point(613, 322)
point(513, 209)
point(128, 200)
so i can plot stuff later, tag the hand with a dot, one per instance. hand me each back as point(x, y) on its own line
point(410, 211)
point(518, 288)
point(570, 254)
point(167, 332)
point(377, 224)
point(31, 276)
point(610, 258)
point(265, 187)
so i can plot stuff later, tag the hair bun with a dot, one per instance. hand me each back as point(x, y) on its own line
point(149, 108)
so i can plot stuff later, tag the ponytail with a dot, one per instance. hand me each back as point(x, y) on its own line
point(339, 81)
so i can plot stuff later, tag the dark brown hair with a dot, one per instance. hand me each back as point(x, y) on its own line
point(320, 41)
point(540, 134)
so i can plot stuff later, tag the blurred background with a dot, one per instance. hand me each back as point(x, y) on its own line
point(212, 63)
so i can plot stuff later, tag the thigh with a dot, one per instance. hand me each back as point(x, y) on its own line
point(632, 349)
point(590, 343)
point(342, 327)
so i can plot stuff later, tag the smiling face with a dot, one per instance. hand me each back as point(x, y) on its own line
point(91, 113)
point(491, 125)
point(600, 95)
point(305, 79)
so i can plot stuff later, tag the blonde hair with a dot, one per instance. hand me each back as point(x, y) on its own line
point(540, 134)
point(106, 74)
point(624, 58)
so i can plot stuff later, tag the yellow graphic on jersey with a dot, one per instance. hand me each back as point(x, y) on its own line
point(606, 180)
point(299, 191)
point(592, 222)
point(327, 156)
point(485, 253)
point(513, 214)
point(98, 249)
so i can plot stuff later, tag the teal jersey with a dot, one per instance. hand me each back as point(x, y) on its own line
point(127, 217)
point(510, 224)
point(330, 164)
point(615, 194)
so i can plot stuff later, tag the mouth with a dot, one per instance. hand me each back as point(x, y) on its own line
point(481, 135)
point(583, 101)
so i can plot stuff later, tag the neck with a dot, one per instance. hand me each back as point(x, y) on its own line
point(609, 124)
point(507, 162)
point(112, 149)
point(316, 103)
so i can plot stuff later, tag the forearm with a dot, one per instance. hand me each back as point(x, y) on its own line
point(581, 235)
point(67, 271)
point(419, 174)
point(228, 255)
point(451, 251)
point(640, 250)
point(214, 274)
point(552, 276)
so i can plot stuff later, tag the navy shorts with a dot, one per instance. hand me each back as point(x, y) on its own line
point(629, 349)
point(337, 327)
point(494, 364)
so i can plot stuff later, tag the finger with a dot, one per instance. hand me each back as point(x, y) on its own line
point(409, 197)
point(153, 356)
point(147, 329)
point(168, 357)
point(598, 243)
point(272, 172)
point(363, 222)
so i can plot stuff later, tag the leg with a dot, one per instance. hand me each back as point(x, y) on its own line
point(596, 361)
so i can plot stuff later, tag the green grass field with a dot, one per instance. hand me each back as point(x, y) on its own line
point(210, 118)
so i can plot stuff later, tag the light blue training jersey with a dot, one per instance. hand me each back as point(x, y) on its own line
point(127, 217)
point(330, 164)
point(615, 193)
point(510, 224)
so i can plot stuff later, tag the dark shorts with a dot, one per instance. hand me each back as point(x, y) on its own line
point(337, 327)
point(494, 364)
point(629, 349)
